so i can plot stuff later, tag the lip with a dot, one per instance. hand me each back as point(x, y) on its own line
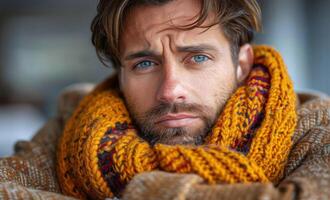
point(176, 120)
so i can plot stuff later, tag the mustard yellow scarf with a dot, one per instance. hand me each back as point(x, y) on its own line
point(100, 151)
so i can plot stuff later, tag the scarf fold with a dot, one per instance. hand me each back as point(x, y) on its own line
point(100, 151)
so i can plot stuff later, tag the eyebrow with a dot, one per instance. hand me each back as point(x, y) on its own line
point(197, 48)
point(193, 48)
point(143, 53)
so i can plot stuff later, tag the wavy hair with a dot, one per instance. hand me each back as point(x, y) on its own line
point(239, 20)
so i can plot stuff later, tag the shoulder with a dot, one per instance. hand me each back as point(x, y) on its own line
point(32, 166)
point(311, 139)
point(313, 111)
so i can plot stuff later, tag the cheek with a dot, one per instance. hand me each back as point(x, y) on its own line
point(219, 76)
point(139, 93)
point(214, 84)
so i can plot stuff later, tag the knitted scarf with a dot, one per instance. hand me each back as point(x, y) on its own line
point(100, 150)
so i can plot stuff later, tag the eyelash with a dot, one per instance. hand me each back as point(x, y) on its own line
point(152, 63)
point(206, 58)
point(136, 66)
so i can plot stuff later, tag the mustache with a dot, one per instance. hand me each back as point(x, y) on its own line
point(166, 108)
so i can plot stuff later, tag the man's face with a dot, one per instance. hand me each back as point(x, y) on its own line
point(175, 82)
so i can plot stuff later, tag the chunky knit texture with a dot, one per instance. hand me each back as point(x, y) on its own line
point(100, 151)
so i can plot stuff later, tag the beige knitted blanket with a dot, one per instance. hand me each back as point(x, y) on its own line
point(30, 172)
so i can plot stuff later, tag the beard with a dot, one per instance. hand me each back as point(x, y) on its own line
point(149, 130)
point(152, 133)
point(181, 135)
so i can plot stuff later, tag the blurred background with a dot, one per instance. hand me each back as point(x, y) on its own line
point(45, 46)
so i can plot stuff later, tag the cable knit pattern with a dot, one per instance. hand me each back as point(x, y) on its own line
point(306, 174)
point(100, 151)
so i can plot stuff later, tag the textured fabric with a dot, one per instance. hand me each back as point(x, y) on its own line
point(30, 172)
point(303, 180)
point(100, 150)
point(307, 172)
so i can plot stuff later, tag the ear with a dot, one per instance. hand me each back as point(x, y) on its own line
point(245, 62)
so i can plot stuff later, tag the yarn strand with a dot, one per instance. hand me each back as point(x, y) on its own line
point(100, 151)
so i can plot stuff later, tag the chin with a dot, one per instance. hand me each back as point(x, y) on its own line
point(181, 140)
point(174, 136)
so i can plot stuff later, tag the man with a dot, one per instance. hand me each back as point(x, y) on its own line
point(193, 111)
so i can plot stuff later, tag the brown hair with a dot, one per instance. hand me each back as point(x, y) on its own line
point(238, 18)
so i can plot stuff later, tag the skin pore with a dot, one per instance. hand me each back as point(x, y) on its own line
point(176, 82)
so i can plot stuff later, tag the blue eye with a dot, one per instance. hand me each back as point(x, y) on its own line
point(144, 64)
point(200, 58)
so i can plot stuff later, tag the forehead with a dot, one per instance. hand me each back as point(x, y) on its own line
point(147, 24)
point(177, 12)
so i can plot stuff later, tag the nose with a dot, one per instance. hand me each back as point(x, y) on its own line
point(171, 89)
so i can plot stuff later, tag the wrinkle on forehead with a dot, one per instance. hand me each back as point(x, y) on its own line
point(146, 25)
point(174, 13)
